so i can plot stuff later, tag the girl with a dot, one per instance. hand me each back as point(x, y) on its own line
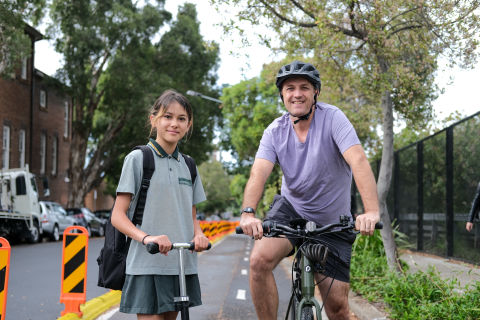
point(169, 216)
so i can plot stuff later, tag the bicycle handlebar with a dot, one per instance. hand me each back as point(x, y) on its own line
point(152, 247)
point(271, 227)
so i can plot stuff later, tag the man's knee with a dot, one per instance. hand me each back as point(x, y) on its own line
point(267, 253)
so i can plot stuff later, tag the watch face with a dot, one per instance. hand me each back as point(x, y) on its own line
point(248, 210)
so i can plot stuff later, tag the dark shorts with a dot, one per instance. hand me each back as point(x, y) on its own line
point(338, 243)
point(154, 294)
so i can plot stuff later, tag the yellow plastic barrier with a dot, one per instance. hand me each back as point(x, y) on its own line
point(74, 269)
point(4, 269)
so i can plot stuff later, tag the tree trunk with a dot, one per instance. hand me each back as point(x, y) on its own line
point(384, 181)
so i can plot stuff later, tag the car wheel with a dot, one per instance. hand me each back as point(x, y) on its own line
point(34, 235)
point(55, 234)
point(89, 230)
point(101, 231)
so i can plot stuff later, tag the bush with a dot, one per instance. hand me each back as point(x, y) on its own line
point(419, 295)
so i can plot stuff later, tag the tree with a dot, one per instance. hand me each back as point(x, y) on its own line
point(14, 43)
point(216, 184)
point(114, 73)
point(392, 47)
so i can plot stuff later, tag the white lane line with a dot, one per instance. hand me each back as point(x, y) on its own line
point(241, 294)
point(244, 272)
point(108, 314)
point(245, 259)
point(247, 252)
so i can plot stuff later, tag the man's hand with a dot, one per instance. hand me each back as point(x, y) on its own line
point(469, 226)
point(251, 226)
point(365, 223)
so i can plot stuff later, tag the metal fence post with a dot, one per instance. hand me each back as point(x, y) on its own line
point(449, 190)
point(420, 195)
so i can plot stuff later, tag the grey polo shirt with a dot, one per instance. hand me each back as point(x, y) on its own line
point(168, 209)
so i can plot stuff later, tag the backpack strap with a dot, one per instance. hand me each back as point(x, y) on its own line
point(191, 167)
point(148, 169)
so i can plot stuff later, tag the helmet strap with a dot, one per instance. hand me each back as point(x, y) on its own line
point(306, 116)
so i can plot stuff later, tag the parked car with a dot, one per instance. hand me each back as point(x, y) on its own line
point(54, 219)
point(103, 215)
point(87, 219)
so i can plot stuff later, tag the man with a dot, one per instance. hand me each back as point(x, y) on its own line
point(317, 149)
point(474, 210)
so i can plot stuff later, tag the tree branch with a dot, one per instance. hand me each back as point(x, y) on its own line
point(285, 19)
point(398, 15)
point(299, 6)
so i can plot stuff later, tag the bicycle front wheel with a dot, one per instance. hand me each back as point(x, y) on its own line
point(307, 313)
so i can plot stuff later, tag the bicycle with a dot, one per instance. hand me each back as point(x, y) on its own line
point(310, 257)
point(183, 300)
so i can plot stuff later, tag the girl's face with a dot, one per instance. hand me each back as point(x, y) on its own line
point(171, 126)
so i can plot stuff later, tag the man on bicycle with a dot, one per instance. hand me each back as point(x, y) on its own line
point(317, 149)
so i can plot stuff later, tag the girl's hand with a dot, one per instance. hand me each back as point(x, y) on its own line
point(201, 242)
point(164, 244)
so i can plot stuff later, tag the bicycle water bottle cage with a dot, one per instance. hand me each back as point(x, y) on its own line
point(316, 252)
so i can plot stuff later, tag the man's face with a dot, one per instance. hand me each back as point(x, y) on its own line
point(298, 96)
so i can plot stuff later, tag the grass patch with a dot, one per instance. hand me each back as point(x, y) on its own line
point(419, 295)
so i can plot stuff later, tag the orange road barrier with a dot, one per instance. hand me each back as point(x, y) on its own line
point(4, 269)
point(73, 290)
point(215, 230)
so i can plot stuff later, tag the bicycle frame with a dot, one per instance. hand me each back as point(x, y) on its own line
point(307, 281)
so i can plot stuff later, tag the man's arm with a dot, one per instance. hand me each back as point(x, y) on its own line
point(259, 174)
point(365, 181)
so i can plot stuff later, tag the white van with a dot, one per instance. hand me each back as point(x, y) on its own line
point(19, 207)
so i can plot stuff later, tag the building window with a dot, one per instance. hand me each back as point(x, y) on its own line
point(24, 68)
point(6, 147)
point(43, 98)
point(65, 120)
point(21, 148)
point(54, 155)
point(43, 152)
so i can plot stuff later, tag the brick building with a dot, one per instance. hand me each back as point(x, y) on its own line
point(36, 115)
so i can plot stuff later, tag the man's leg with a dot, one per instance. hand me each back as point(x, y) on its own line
point(266, 255)
point(336, 302)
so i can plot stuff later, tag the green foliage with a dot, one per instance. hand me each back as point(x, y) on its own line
point(237, 185)
point(115, 72)
point(216, 185)
point(419, 295)
point(15, 44)
point(248, 108)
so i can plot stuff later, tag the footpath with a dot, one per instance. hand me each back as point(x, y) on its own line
point(466, 274)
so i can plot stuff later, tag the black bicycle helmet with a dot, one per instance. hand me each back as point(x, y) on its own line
point(299, 69)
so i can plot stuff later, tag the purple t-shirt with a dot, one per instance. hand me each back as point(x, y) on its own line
point(316, 179)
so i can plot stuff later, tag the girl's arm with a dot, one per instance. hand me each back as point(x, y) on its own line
point(123, 224)
point(200, 240)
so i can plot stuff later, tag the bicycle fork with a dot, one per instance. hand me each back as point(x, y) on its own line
point(308, 288)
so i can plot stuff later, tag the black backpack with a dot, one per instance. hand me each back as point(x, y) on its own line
point(113, 256)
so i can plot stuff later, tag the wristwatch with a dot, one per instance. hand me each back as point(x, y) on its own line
point(248, 210)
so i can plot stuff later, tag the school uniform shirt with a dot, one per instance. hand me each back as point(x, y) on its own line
point(168, 209)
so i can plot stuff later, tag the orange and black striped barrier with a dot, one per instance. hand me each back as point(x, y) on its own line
point(74, 269)
point(215, 230)
point(4, 269)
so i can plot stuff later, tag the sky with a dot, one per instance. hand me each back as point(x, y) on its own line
point(239, 63)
